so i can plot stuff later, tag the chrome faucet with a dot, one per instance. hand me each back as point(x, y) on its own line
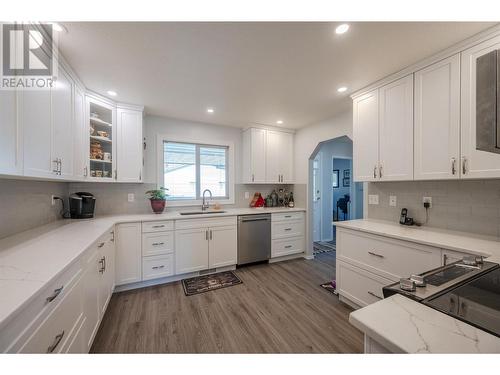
point(204, 204)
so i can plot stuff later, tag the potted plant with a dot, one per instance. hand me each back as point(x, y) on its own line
point(158, 198)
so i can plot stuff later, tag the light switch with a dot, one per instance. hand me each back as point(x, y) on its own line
point(131, 197)
point(247, 195)
point(393, 201)
point(373, 199)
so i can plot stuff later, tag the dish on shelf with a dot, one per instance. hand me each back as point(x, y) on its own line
point(103, 134)
point(94, 115)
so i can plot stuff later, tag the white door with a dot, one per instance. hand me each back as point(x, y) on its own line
point(317, 214)
point(437, 120)
point(91, 280)
point(10, 135)
point(129, 146)
point(222, 248)
point(37, 133)
point(365, 137)
point(273, 156)
point(191, 250)
point(128, 258)
point(81, 136)
point(286, 157)
point(475, 163)
point(396, 130)
point(62, 123)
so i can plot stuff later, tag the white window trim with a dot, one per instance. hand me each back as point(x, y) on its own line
point(160, 138)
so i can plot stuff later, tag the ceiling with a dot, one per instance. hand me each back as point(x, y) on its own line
point(248, 72)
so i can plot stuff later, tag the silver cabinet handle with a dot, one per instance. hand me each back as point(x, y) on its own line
point(104, 263)
point(100, 245)
point(445, 259)
point(464, 165)
point(380, 171)
point(288, 216)
point(112, 236)
point(158, 267)
point(253, 178)
point(140, 175)
point(288, 246)
point(206, 235)
point(159, 226)
point(60, 166)
point(288, 229)
point(85, 172)
point(210, 234)
point(374, 295)
point(158, 243)
point(376, 255)
point(453, 166)
point(56, 169)
point(375, 171)
point(56, 342)
point(54, 295)
point(101, 262)
point(116, 174)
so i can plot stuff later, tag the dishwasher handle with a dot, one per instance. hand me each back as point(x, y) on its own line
point(247, 219)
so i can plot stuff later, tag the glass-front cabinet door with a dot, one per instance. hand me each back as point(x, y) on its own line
point(102, 151)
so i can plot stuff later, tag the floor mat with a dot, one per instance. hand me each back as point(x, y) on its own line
point(323, 247)
point(206, 283)
point(331, 287)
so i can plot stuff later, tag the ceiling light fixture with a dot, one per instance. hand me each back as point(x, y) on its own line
point(279, 122)
point(342, 89)
point(341, 29)
point(112, 93)
point(210, 110)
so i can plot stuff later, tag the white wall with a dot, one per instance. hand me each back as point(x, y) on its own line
point(306, 143)
point(154, 125)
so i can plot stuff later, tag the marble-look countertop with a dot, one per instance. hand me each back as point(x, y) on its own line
point(445, 239)
point(402, 325)
point(32, 259)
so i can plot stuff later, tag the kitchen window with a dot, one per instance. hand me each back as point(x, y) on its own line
point(189, 168)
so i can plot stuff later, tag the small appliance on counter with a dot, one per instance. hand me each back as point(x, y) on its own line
point(468, 290)
point(81, 205)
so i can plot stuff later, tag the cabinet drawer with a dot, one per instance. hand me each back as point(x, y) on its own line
point(287, 246)
point(157, 266)
point(15, 333)
point(359, 286)
point(287, 216)
point(205, 223)
point(157, 243)
point(51, 335)
point(157, 226)
point(285, 229)
point(390, 258)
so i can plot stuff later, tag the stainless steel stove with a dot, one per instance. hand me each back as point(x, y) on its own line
point(468, 290)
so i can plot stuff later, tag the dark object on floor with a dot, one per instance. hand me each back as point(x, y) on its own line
point(201, 284)
point(331, 287)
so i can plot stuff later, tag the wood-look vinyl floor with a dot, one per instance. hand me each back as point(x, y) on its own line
point(279, 308)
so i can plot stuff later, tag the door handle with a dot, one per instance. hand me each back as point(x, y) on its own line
point(453, 166)
point(376, 255)
point(210, 234)
point(464, 165)
point(375, 172)
point(380, 171)
point(206, 234)
point(56, 342)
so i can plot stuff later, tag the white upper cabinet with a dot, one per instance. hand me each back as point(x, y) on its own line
point(254, 155)
point(267, 156)
point(10, 135)
point(62, 124)
point(479, 137)
point(129, 145)
point(396, 130)
point(365, 134)
point(437, 120)
point(81, 136)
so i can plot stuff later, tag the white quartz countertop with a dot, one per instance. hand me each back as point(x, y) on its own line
point(444, 239)
point(32, 259)
point(405, 326)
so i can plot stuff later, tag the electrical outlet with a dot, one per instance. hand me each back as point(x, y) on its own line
point(131, 197)
point(393, 201)
point(373, 199)
point(247, 195)
point(427, 200)
point(52, 200)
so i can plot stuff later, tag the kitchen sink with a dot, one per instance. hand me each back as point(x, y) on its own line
point(201, 212)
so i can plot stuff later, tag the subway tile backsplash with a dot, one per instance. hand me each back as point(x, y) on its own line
point(468, 206)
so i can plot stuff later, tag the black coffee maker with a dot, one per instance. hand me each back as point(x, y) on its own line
point(81, 205)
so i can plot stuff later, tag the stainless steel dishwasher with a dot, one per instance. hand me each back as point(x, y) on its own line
point(254, 238)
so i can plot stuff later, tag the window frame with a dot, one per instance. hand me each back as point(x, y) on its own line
point(161, 138)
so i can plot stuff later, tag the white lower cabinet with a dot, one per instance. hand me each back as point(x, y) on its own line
point(367, 262)
point(128, 253)
point(157, 266)
point(222, 249)
point(287, 234)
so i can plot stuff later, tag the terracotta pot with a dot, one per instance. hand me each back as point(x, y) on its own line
point(158, 205)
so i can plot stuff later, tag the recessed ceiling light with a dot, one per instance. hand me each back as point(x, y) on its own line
point(112, 93)
point(210, 110)
point(342, 89)
point(279, 122)
point(342, 28)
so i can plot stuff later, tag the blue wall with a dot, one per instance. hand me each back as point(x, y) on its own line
point(341, 165)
